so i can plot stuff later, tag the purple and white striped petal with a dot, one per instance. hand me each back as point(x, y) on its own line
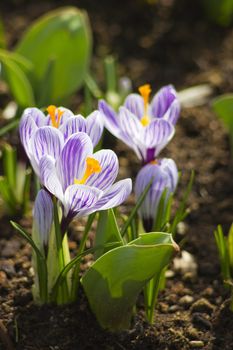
point(157, 134)
point(72, 161)
point(46, 141)
point(27, 129)
point(73, 125)
point(115, 196)
point(162, 101)
point(131, 127)
point(110, 117)
point(80, 197)
point(95, 126)
point(109, 170)
point(49, 177)
point(173, 112)
point(165, 175)
point(134, 103)
point(42, 217)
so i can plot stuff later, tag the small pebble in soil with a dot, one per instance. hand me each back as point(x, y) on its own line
point(198, 344)
point(185, 263)
point(202, 305)
point(186, 300)
point(200, 321)
point(193, 333)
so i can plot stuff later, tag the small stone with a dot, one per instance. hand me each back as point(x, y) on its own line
point(163, 307)
point(182, 228)
point(186, 300)
point(174, 308)
point(208, 292)
point(193, 333)
point(3, 279)
point(200, 321)
point(185, 263)
point(196, 344)
point(202, 305)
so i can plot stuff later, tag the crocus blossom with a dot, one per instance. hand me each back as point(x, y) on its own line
point(143, 126)
point(165, 176)
point(42, 218)
point(81, 180)
point(37, 130)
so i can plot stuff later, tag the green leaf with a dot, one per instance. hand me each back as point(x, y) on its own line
point(223, 107)
point(18, 82)
point(223, 253)
point(8, 127)
point(41, 262)
point(63, 37)
point(107, 231)
point(9, 165)
point(230, 247)
point(135, 209)
point(113, 282)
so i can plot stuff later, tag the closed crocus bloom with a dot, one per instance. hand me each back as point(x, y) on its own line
point(42, 219)
point(143, 126)
point(83, 181)
point(37, 130)
point(165, 176)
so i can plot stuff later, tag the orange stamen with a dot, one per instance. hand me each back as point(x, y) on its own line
point(154, 162)
point(145, 91)
point(55, 115)
point(93, 167)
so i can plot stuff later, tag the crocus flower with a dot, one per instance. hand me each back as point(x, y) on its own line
point(143, 126)
point(165, 176)
point(81, 180)
point(36, 130)
point(42, 219)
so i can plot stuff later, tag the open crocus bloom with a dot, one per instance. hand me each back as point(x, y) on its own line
point(46, 134)
point(165, 176)
point(81, 180)
point(143, 126)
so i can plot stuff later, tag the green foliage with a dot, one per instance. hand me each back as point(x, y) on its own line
point(225, 251)
point(51, 61)
point(14, 184)
point(120, 275)
point(223, 107)
point(219, 11)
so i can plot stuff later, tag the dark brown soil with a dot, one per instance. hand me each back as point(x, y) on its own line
point(159, 44)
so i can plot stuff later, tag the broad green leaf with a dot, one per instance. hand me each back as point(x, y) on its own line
point(107, 231)
point(62, 36)
point(223, 107)
point(18, 82)
point(113, 282)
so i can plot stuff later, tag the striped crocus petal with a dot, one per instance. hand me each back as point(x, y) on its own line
point(134, 103)
point(95, 126)
point(109, 169)
point(49, 177)
point(46, 141)
point(165, 175)
point(71, 163)
point(162, 101)
point(131, 128)
point(66, 115)
point(173, 112)
point(110, 117)
point(80, 198)
point(27, 128)
point(42, 217)
point(115, 195)
point(73, 125)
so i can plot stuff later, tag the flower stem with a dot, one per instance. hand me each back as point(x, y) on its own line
point(75, 276)
point(63, 295)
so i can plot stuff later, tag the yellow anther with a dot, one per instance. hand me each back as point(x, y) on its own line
point(154, 162)
point(93, 167)
point(55, 115)
point(145, 91)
